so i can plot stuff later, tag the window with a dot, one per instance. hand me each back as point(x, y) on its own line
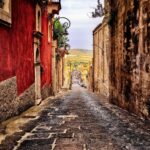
point(49, 31)
point(37, 55)
point(38, 18)
point(5, 12)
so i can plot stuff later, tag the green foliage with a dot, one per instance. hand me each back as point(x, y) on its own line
point(59, 33)
point(58, 29)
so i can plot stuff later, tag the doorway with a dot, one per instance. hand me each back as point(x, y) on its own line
point(37, 67)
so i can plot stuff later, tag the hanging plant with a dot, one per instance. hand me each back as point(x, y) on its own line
point(60, 33)
point(57, 29)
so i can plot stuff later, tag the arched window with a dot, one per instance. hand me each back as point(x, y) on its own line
point(37, 55)
point(38, 18)
point(49, 31)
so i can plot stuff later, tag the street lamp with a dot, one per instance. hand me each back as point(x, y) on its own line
point(66, 25)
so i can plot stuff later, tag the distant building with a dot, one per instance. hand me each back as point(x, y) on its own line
point(25, 53)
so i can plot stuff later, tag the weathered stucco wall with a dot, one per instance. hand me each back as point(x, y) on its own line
point(46, 55)
point(16, 60)
point(130, 55)
point(17, 70)
point(16, 45)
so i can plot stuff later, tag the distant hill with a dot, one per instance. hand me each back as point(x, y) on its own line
point(80, 55)
point(81, 52)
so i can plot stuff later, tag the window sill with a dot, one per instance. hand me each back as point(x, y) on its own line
point(5, 18)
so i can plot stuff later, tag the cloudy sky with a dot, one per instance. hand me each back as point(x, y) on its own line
point(80, 32)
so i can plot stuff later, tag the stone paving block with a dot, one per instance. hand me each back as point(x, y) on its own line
point(63, 135)
point(65, 141)
point(100, 130)
point(39, 135)
point(36, 147)
point(69, 147)
point(36, 143)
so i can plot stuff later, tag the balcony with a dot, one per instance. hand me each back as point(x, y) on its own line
point(54, 6)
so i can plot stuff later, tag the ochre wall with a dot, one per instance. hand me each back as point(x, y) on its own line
point(101, 36)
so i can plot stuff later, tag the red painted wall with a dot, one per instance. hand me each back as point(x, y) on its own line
point(17, 49)
point(46, 51)
point(16, 45)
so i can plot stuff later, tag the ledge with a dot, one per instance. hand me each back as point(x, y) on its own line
point(37, 34)
point(54, 6)
point(5, 18)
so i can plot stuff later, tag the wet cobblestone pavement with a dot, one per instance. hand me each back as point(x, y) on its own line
point(81, 120)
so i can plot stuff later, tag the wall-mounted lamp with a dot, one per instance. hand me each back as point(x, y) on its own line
point(65, 25)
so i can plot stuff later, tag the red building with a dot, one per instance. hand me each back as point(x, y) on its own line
point(25, 53)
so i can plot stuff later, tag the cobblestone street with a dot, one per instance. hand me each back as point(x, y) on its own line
point(81, 121)
point(74, 75)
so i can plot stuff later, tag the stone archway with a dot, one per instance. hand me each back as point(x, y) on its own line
point(76, 77)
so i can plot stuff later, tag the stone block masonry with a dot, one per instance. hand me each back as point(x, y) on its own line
point(122, 55)
point(10, 103)
point(101, 47)
point(130, 55)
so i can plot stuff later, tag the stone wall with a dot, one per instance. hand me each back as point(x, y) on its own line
point(101, 46)
point(130, 55)
point(10, 103)
point(46, 92)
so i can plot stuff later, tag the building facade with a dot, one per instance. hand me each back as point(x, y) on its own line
point(101, 53)
point(130, 55)
point(25, 53)
point(127, 58)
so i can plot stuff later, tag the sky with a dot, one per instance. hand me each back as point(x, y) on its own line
point(80, 32)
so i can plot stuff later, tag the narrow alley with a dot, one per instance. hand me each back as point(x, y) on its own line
point(80, 120)
point(74, 75)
